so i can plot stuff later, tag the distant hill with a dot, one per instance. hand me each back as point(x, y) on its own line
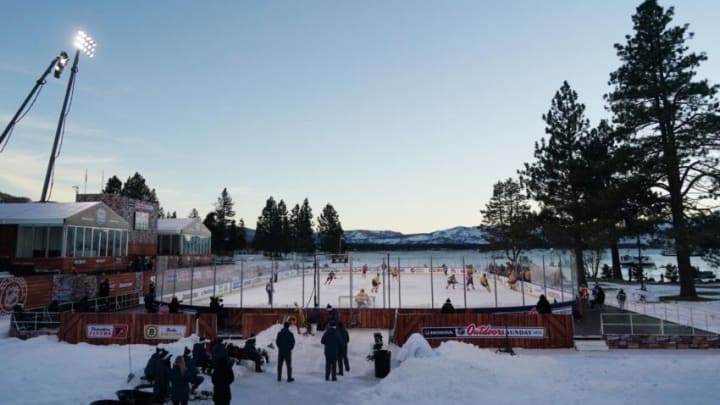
point(11, 198)
point(457, 237)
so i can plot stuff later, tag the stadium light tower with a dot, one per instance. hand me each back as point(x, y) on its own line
point(85, 44)
point(57, 64)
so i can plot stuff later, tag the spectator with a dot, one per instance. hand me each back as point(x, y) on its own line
point(179, 380)
point(331, 342)
point(543, 305)
point(621, 297)
point(192, 371)
point(285, 342)
point(447, 307)
point(200, 356)
point(161, 384)
point(222, 377)
point(314, 320)
point(344, 340)
point(174, 305)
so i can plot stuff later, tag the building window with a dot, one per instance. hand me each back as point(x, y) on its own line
point(142, 221)
point(70, 241)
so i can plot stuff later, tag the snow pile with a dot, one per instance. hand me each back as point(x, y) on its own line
point(415, 347)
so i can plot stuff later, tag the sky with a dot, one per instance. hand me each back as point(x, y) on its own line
point(401, 114)
point(451, 373)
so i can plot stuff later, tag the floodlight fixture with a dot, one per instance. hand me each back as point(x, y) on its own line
point(60, 63)
point(85, 43)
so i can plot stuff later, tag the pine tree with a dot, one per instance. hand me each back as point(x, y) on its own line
point(194, 213)
point(508, 223)
point(671, 117)
point(269, 229)
point(223, 217)
point(113, 186)
point(304, 228)
point(135, 187)
point(556, 179)
point(285, 230)
point(241, 236)
point(330, 230)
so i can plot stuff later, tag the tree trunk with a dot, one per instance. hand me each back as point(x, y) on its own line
point(615, 255)
point(579, 264)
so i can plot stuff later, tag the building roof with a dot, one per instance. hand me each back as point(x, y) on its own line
point(58, 214)
point(182, 226)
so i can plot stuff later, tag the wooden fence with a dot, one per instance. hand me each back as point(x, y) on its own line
point(254, 320)
point(124, 328)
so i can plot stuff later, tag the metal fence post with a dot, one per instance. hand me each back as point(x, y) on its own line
point(399, 285)
point(432, 286)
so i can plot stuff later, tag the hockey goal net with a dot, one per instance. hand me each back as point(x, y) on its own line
point(344, 301)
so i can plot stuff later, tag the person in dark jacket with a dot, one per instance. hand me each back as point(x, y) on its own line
point(151, 366)
point(313, 320)
point(218, 352)
point(250, 352)
point(200, 357)
point(192, 371)
point(161, 385)
point(447, 307)
point(285, 342)
point(222, 377)
point(344, 339)
point(543, 305)
point(174, 305)
point(331, 341)
point(179, 382)
point(332, 315)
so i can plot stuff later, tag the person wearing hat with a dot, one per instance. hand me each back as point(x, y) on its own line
point(285, 342)
point(200, 357)
point(151, 366)
point(331, 341)
point(250, 352)
point(180, 382)
point(218, 352)
point(447, 307)
point(161, 385)
point(222, 377)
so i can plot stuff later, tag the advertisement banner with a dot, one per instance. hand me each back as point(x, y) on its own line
point(473, 331)
point(114, 331)
point(164, 331)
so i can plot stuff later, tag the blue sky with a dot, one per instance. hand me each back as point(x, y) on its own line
point(402, 114)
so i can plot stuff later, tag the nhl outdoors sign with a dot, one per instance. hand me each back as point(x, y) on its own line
point(473, 331)
point(115, 331)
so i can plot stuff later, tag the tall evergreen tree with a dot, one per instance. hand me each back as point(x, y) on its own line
point(285, 230)
point(330, 230)
point(557, 179)
point(211, 223)
point(508, 223)
point(241, 235)
point(135, 187)
point(268, 232)
point(224, 228)
point(113, 186)
point(671, 117)
point(304, 228)
point(194, 213)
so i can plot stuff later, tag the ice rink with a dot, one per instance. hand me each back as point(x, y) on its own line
point(409, 290)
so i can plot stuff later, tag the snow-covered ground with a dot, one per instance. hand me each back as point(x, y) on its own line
point(44, 371)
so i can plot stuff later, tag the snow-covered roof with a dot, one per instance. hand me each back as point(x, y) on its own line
point(182, 226)
point(58, 213)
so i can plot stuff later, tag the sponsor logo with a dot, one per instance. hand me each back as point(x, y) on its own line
point(164, 331)
point(13, 291)
point(115, 331)
point(487, 331)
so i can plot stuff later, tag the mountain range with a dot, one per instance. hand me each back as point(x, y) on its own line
point(457, 236)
